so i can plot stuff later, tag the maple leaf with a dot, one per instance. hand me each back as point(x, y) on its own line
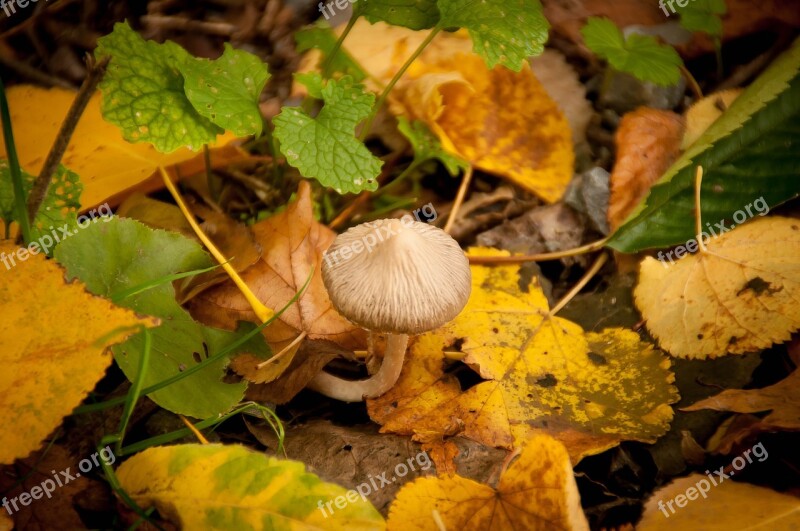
point(739, 296)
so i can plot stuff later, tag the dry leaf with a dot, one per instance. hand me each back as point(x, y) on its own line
point(292, 245)
point(589, 390)
point(648, 142)
point(106, 163)
point(704, 112)
point(782, 400)
point(537, 492)
point(53, 339)
point(728, 505)
point(740, 296)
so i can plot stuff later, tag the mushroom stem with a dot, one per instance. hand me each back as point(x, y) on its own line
point(375, 385)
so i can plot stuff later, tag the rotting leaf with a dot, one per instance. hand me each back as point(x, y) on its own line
point(538, 376)
point(740, 296)
point(537, 492)
point(53, 341)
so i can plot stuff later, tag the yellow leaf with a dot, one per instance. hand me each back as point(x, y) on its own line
point(740, 296)
point(105, 162)
point(53, 339)
point(231, 487)
point(537, 492)
point(728, 505)
point(705, 112)
point(589, 390)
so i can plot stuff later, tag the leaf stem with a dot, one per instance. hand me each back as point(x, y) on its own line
point(42, 183)
point(13, 166)
point(517, 259)
point(263, 313)
point(382, 98)
point(698, 213)
point(698, 92)
point(462, 193)
point(580, 285)
point(338, 46)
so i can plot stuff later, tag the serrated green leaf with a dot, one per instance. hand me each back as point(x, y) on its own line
point(133, 255)
point(321, 37)
point(412, 14)
point(325, 148)
point(59, 208)
point(639, 55)
point(143, 92)
point(504, 32)
point(226, 90)
point(232, 487)
point(426, 146)
point(751, 151)
point(704, 16)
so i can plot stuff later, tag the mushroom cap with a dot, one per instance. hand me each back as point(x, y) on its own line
point(397, 276)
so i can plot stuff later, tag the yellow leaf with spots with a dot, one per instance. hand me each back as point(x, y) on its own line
point(106, 162)
point(728, 505)
point(231, 487)
point(589, 390)
point(742, 295)
point(53, 339)
point(537, 492)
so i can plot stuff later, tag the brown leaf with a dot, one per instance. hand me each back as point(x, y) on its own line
point(292, 246)
point(648, 141)
point(54, 512)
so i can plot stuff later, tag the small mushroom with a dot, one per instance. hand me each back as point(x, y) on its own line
point(395, 277)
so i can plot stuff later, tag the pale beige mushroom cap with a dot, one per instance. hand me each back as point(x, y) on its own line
point(396, 276)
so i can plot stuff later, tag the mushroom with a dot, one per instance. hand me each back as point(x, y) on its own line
point(392, 276)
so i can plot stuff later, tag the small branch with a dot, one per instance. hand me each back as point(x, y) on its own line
point(42, 183)
point(584, 249)
point(580, 285)
point(462, 193)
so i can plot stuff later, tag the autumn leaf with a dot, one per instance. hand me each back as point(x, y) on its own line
point(728, 505)
point(539, 372)
point(740, 296)
point(231, 487)
point(648, 142)
point(782, 400)
point(292, 246)
point(705, 112)
point(107, 163)
point(537, 492)
point(53, 341)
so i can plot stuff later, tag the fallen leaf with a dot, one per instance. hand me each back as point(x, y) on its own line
point(53, 345)
point(51, 511)
point(540, 373)
point(740, 296)
point(106, 163)
point(705, 112)
point(231, 487)
point(537, 492)
point(782, 400)
point(728, 505)
point(648, 142)
point(292, 246)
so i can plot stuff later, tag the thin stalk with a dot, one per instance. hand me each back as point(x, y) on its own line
point(326, 66)
point(698, 213)
point(518, 259)
point(195, 431)
point(116, 486)
point(13, 166)
point(462, 193)
point(135, 391)
point(382, 98)
point(698, 92)
point(580, 285)
point(400, 178)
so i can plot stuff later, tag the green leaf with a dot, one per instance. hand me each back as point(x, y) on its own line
point(751, 151)
point(639, 55)
point(226, 90)
point(143, 92)
point(504, 32)
point(427, 146)
point(703, 16)
point(231, 487)
point(412, 14)
point(134, 255)
point(325, 148)
point(59, 208)
point(320, 36)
